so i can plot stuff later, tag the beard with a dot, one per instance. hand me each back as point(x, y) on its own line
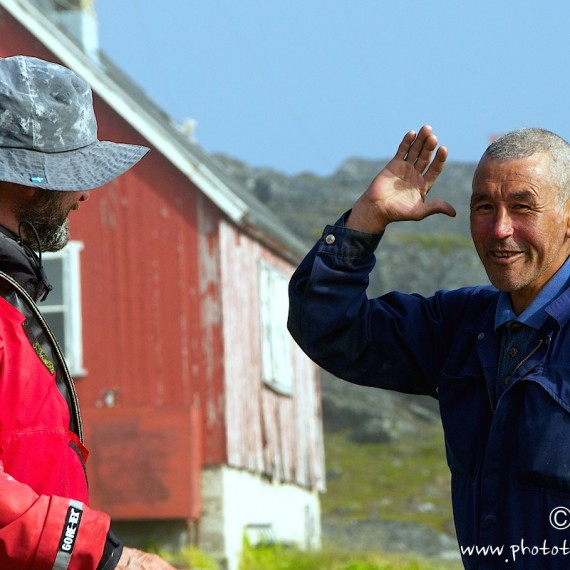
point(48, 216)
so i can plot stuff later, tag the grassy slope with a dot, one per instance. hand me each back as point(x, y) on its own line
point(404, 481)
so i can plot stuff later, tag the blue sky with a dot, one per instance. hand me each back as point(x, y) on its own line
point(303, 85)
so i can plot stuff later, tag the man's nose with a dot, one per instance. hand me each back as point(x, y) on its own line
point(502, 225)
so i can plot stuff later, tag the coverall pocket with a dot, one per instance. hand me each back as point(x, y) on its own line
point(543, 455)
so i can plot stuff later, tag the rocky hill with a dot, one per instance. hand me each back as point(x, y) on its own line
point(415, 257)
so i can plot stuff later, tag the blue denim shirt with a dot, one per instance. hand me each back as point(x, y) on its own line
point(510, 456)
point(520, 334)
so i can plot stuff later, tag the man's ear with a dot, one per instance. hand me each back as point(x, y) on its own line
point(29, 193)
point(10, 192)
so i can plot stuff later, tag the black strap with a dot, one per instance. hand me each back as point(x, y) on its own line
point(111, 553)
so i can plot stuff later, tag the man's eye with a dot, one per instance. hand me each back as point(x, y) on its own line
point(482, 208)
point(521, 207)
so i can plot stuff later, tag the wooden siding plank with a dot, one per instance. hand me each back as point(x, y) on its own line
point(210, 389)
point(241, 334)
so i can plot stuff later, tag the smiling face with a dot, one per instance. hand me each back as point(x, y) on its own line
point(519, 226)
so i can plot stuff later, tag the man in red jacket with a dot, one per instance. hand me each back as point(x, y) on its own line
point(50, 159)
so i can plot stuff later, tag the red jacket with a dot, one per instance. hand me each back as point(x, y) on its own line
point(45, 521)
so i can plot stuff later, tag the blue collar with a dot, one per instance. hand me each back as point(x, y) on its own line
point(534, 315)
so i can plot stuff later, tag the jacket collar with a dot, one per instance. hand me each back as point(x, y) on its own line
point(559, 309)
point(20, 264)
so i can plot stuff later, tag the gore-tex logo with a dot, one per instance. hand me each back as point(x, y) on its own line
point(69, 534)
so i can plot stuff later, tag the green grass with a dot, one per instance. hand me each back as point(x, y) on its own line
point(189, 557)
point(281, 558)
point(278, 557)
point(406, 481)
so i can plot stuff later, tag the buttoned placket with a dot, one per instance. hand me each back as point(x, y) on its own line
point(517, 342)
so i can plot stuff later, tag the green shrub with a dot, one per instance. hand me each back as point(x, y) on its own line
point(188, 557)
point(278, 557)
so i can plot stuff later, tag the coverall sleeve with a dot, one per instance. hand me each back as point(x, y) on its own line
point(397, 341)
point(41, 532)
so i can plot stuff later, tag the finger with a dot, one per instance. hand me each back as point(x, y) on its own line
point(439, 207)
point(426, 153)
point(417, 146)
point(404, 147)
point(436, 167)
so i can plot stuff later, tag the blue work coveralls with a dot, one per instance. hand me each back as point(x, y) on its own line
point(509, 457)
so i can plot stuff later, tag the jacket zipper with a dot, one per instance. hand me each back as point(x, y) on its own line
point(66, 375)
point(528, 356)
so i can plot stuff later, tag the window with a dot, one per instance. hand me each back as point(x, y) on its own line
point(276, 344)
point(62, 308)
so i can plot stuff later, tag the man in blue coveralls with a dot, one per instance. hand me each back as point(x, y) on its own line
point(496, 357)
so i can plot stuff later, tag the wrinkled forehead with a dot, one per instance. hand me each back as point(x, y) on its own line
point(532, 171)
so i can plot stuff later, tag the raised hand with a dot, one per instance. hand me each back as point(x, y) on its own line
point(399, 191)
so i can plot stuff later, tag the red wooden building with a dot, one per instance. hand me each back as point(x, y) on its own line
point(201, 415)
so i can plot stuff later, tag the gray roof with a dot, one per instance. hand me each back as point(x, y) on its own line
point(144, 115)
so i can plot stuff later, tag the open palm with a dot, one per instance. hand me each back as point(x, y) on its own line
point(399, 191)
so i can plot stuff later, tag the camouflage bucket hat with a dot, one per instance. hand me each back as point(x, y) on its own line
point(48, 130)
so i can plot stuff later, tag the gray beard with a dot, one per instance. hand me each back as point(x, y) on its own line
point(54, 239)
point(48, 220)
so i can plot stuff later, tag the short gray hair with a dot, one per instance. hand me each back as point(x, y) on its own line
point(527, 142)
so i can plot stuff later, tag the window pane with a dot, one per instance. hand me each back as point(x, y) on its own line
point(63, 307)
point(54, 272)
point(275, 339)
point(55, 322)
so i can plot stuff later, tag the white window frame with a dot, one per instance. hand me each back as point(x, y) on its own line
point(276, 357)
point(71, 306)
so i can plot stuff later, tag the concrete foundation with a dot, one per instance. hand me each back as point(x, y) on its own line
point(235, 503)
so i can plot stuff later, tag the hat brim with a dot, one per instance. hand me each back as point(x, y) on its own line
point(77, 170)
